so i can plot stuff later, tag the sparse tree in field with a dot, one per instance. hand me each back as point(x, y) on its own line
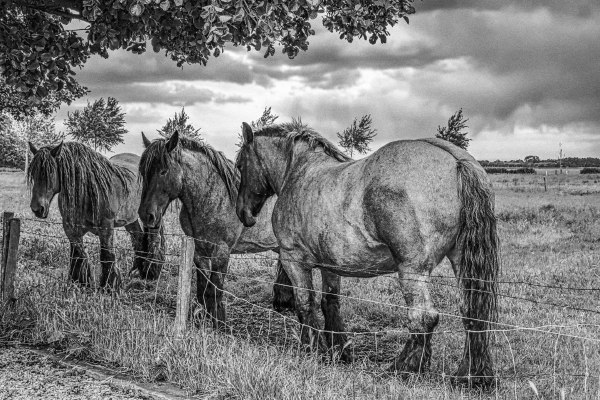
point(357, 136)
point(267, 118)
point(531, 159)
point(179, 122)
point(454, 131)
point(100, 125)
point(38, 54)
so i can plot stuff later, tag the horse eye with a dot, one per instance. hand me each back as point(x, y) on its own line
point(163, 172)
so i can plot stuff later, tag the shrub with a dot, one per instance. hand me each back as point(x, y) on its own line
point(522, 170)
point(590, 170)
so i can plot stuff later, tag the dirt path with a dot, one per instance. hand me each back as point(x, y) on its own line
point(27, 375)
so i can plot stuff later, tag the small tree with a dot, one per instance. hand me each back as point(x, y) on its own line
point(453, 132)
point(531, 159)
point(267, 118)
point(357, 136)
point(179, 122)
point(100, 125)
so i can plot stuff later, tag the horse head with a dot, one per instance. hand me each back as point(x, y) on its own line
point(43, 178)
point(161, 179)
point(254, 186)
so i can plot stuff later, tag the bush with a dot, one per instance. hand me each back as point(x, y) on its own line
point(522, 170)
point(589, 170)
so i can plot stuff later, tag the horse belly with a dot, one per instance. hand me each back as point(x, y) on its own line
point(358, 257)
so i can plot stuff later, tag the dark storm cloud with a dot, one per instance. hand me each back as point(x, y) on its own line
point(175, 94)
point(125, 67)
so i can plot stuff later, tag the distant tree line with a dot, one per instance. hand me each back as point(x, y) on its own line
point(567, 162)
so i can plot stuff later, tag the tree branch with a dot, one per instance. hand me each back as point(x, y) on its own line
point(60, 8)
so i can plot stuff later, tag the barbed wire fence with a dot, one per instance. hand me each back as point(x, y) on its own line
point(562, 353)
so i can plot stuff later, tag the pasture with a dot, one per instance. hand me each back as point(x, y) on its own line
point(547, 344)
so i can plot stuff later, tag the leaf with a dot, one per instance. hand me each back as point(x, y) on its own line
point(165, 5)
point(178, 3)
point(136, 9)
point(224, 18)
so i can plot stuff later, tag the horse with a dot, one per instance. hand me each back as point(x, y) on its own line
point(95, 195)
point(205, 182)
point(400, 210)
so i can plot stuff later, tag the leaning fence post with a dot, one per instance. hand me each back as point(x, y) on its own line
point(6, 217)
point(186, 263)
point(10, 255)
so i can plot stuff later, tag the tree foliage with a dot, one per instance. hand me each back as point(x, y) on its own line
point(454, 131)
point(179, 122)
point(14, 135)
point(267, 118)
point(38, 55)
point(357, 136)
point(100, 125)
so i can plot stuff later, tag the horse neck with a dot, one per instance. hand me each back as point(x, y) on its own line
point(200, 178)
point(282, 166)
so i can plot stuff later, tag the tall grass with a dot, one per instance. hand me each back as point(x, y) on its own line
point(549, 240)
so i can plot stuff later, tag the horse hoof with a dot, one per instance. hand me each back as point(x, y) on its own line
point(482, 380)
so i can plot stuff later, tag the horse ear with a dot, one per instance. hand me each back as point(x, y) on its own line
point(32, 148)
point(247, 133)
point(145, 140)
point(173, 141)
point(55, 152)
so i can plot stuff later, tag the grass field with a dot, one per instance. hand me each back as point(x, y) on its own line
point(549, 348)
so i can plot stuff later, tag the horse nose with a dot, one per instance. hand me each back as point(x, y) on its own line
point(38, 210)
point(150, 218)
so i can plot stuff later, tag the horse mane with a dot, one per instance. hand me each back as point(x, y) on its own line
point(86, 176)
point(297, 131)
point(157, 152)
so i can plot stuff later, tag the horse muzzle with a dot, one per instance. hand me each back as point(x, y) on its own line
point(40, 211)
point(246, 217)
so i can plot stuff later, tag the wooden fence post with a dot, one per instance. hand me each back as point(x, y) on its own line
point(186, 265)
point(10, 255)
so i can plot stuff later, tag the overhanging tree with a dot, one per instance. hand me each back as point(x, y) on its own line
point(357, 136)
point(38, 54)
point(100, 125)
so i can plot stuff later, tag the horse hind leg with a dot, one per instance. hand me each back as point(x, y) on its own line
point(422, 318)
point(334, 325)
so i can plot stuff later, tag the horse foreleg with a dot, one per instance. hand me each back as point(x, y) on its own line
point(283, 293)
point(79, 267)
point(334, 324)
point(304, 295)
point(110, 276)
point(422, 320)
point(139, 243)
point(155, 241)
point(210, 278)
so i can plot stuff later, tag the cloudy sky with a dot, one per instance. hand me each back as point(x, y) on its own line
point(525, 72)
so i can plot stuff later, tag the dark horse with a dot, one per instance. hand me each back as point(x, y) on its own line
point(95, 195)
point(205, 182)
point(400, 210)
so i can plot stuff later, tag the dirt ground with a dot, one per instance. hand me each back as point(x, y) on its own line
point(27, 375)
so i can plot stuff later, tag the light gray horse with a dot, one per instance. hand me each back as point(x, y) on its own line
point(400, 210)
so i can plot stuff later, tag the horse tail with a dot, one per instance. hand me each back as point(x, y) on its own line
point(479, 259)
